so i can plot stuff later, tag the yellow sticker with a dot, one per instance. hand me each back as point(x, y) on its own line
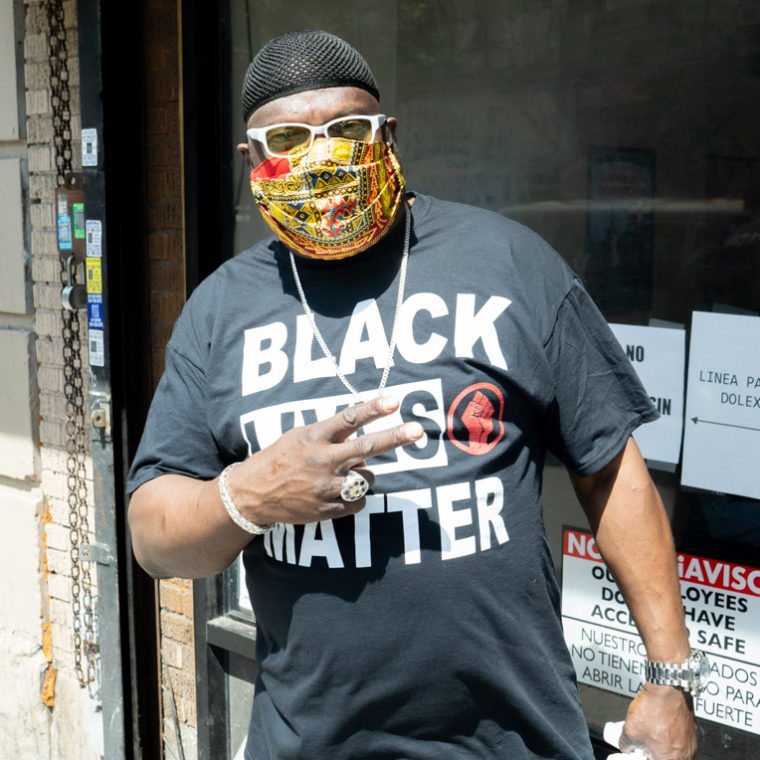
point(94, 275)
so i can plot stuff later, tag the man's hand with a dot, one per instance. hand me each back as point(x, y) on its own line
point(181, 529)
point(298, 478)
point(660, 721)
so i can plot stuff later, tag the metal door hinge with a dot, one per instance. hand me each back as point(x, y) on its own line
point(101, 417)
point(100, 553)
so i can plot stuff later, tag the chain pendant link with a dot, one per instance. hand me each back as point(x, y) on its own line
point(399, 302)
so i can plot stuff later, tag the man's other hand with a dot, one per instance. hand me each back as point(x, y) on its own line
point(660, 721)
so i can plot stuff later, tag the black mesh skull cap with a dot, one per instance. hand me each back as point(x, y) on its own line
point(309, 59)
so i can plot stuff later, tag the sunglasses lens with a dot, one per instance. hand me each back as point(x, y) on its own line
point(288, 138)
point(352, 129)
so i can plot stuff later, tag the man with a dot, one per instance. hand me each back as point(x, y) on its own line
point(438, 351)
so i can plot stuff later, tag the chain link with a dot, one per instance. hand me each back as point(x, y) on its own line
point(59, 86)
point(85, 645)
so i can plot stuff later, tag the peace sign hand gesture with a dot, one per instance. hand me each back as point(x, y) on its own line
point(298, 478)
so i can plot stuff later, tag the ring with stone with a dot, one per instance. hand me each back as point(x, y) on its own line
point(354, 486)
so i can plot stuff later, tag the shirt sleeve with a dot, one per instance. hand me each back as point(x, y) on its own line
point(177, 438)
point(598, 399)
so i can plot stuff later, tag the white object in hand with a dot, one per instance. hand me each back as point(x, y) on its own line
point(613, 730)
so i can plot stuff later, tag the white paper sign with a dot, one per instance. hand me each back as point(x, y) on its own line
point(89, 147)
point(721, 449)
point(94, 238)
point(97, 348)
point(658, 356)
point(722, 606)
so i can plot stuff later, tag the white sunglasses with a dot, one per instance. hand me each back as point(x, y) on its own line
point(295, 139)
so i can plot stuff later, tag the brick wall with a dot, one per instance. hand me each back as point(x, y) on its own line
point(164, 217)
point(74, 716)
point(62, 719)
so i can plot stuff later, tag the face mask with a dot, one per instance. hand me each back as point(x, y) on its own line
point(334, 201)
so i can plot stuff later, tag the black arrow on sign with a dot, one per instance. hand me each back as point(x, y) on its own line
point(695, 420)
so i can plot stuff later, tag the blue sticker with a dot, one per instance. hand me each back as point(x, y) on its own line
point(64, 232)
point(95, 311)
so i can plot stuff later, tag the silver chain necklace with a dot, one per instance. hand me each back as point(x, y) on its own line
point(399, 300)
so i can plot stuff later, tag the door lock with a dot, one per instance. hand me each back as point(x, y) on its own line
point(74, 294)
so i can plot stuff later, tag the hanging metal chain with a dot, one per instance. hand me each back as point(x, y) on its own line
point(59, 87)
point(85, 645)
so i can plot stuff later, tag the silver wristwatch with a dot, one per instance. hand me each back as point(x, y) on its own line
point(692, 675)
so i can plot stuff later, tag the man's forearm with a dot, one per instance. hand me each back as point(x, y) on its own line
point(180, 528)
point(634, 537)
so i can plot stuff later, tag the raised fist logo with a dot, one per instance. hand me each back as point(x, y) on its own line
point(480, 409)
point(478, 419)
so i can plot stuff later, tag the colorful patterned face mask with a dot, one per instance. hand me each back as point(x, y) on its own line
point(332, 202)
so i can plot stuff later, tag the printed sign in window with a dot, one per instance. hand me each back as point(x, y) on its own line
point(658, 356)
point(722, 605)
point(721, 449)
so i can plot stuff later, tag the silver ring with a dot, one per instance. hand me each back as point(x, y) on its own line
point(354, 486)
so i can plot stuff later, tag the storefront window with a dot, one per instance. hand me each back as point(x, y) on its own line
point(625, 133)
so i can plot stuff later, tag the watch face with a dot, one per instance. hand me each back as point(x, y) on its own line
point(700, 672)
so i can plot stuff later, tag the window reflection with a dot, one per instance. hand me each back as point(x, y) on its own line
point(624, 132)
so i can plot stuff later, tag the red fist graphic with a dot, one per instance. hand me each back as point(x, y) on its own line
point(478, 419)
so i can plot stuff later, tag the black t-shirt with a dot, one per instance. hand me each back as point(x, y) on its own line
point(427, 625)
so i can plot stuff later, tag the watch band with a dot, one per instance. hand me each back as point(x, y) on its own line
point(691, 675)
point(233, 511)
point(665, 673)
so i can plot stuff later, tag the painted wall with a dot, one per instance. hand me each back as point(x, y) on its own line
point(43, 710)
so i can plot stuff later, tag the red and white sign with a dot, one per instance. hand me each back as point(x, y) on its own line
point(722, 605)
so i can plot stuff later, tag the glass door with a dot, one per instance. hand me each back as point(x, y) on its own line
point(625, 133)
